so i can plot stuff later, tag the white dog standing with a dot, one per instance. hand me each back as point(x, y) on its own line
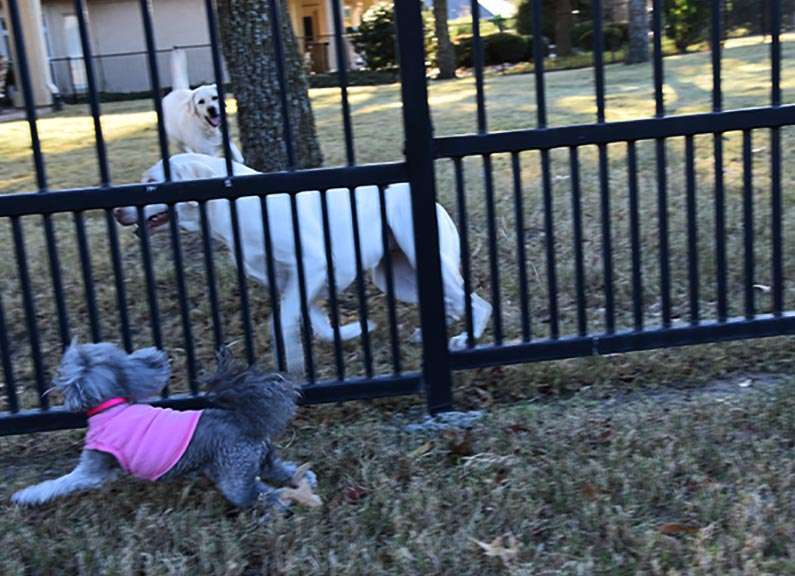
point(399, 225)
point(192, 118)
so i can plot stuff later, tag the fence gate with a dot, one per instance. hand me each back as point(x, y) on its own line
point(70, 271)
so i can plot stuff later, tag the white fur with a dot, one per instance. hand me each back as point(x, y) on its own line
point(399, 225)
point(192, 117)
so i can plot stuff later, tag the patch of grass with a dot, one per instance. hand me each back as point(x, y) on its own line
point(647, 485)
point(130, 133)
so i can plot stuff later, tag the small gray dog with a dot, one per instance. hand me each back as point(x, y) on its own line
point(231, 442)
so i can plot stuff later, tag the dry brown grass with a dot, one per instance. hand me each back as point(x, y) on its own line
point(649, 484)
point(129, 128)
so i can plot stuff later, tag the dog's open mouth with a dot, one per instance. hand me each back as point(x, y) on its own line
point(214, 121)
point(156, 220)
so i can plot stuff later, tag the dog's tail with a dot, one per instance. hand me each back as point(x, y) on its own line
point(264, 401)
point(179, 69)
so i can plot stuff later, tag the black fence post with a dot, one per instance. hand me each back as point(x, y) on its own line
point(419, 159)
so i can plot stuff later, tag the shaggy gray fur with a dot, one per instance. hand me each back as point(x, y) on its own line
point(232, 444)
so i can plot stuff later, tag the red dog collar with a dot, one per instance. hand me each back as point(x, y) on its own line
point(105, 405)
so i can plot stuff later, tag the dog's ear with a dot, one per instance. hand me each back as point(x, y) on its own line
point(147, 371)
point(90, 374)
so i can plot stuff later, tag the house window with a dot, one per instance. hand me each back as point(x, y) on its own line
point(74, 51)
point(5, 40)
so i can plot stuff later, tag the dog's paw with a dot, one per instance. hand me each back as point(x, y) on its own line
point(29, 496)
point(458, 342)
point(311, 478)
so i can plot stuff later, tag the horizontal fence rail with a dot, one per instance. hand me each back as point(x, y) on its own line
point(596, 238)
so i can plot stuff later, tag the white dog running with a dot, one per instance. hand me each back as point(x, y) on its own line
point(192, 118)
point(399, 224)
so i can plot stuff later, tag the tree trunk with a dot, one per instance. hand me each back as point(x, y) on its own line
point(563, 27)
point(638, 33)
point(445, 54)
point(249, 52)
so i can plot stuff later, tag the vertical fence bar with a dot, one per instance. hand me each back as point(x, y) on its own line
point(521, 256)
point(182, 297)
point(464, 242)
point(549, 243)
point(8, 369)
point(662, 176)
point(538, 65)
point(634, 235)
point(494, 258)
point(240, 262)
point(88, 277)
point(598, 61)
point(93, 99)
point(104, 171)
point(748, 224)
point(604, 181)
point(41, 173)
point(720, 202)
point(332, 286)
point(212, 30)
point(233, 216)
point(154, 79)
point(278, 337)
point(278, 52)
point(360, 287)
point(775, 162)
point(662, 229)
point(419, 160)
point(549, 228)
point(342, 75)
point(390, 283)
point(692, 230)
point(212, 295)
point(477, 60)
point(149, 275)
point(579, 266)
point(30, 311)
point(299, 266)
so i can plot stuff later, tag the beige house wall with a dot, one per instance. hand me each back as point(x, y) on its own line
point(116, 28)
point(30, 17)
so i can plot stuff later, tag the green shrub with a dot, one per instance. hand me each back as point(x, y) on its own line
point(686, 21)
point(614, 36)
point(524, 16)
point(499, 48)
point(376, 38)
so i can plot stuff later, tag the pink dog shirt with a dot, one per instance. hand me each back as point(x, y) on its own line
point(147, 441)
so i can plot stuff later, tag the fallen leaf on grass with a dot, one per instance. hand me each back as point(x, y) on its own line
point(676, 528)
point(459, 443)
point(745, 383)
point(355, 493)
point(420, 450)
point(505, 547)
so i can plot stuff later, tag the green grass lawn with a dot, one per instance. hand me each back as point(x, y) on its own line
point(129, 127)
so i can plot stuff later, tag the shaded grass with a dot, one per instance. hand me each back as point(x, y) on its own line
point(130, 132)
point(656, 484)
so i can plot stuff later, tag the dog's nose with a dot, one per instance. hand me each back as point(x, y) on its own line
point(213, 112)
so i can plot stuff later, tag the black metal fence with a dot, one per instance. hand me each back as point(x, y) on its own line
point(524, 326)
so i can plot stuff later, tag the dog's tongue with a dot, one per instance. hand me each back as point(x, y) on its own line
point(214, 122)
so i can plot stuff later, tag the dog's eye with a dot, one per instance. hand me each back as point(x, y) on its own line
point(215, 97)
point(201, 101)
